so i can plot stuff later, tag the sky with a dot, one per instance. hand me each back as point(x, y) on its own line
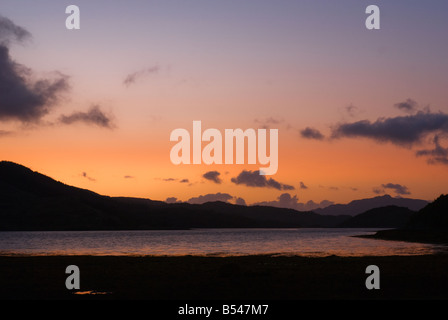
point(359, 112)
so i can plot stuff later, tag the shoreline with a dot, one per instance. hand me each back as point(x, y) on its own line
point(252, 277)
point(409, 235)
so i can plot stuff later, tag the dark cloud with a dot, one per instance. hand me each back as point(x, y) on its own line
point(184, 181)
point(128, 177)
point(84, 174)
point(21, 98)
point(254, 179)
point(224, 197)
point(288, 187)
point(240, 202)
point(408, 106)
point(302, 185)
point(285, 200)
point(311, 133)
point(212, 176)
point(437, 155)
point(133, 77)
point(169, 179)
point(94, 116)
point(403, 130)
point(398, 188)
point(172, 200)
point(10, 31)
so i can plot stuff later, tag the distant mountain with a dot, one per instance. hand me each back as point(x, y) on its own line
point(32, 201)
point(359, 206)
point(384, 217)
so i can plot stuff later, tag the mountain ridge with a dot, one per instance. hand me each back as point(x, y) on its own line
point(356, 207)
point(30, 200)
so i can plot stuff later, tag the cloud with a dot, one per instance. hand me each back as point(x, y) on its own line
point(268, 122)
point(240, 202)
point(23, 99)
point(351, 110)
point(175, 179)
point(225, 197)
point(437, 155)
point(408, 106)
point(311, 133)
point(133, 77)
point(10, 31)
point(172, 200)
point(84, 174)
point(4, 133)
point(302, 185)
point(94, 116)
point(377, 190)
point(128, 177)
point(402, 130)
point(285, 200)
point(254, 179)
point(212, 176)
point(398, 188)
point(333, 188)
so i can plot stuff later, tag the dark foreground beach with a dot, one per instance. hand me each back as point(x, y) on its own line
point(210, 278)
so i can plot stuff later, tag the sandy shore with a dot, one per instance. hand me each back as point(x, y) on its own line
point(208, 278)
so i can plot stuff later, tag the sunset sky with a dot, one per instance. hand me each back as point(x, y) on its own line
point(360, 112)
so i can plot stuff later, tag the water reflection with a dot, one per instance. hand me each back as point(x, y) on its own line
point(216, 242)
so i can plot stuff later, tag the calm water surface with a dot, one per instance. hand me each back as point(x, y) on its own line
point(305, 242)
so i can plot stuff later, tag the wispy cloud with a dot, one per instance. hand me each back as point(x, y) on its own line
point(138, 75)
point(268, 122)
point(84, 174)
point(4, 133)
point(94, 116)
point(9, 31)
point(437, 155)
point(408, 106)
point(352, 110)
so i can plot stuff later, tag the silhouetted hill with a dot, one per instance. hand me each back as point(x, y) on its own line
point(32, 201)
point(384, 217)
point(356, 207)
point(434, 216)
point(430, 224)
